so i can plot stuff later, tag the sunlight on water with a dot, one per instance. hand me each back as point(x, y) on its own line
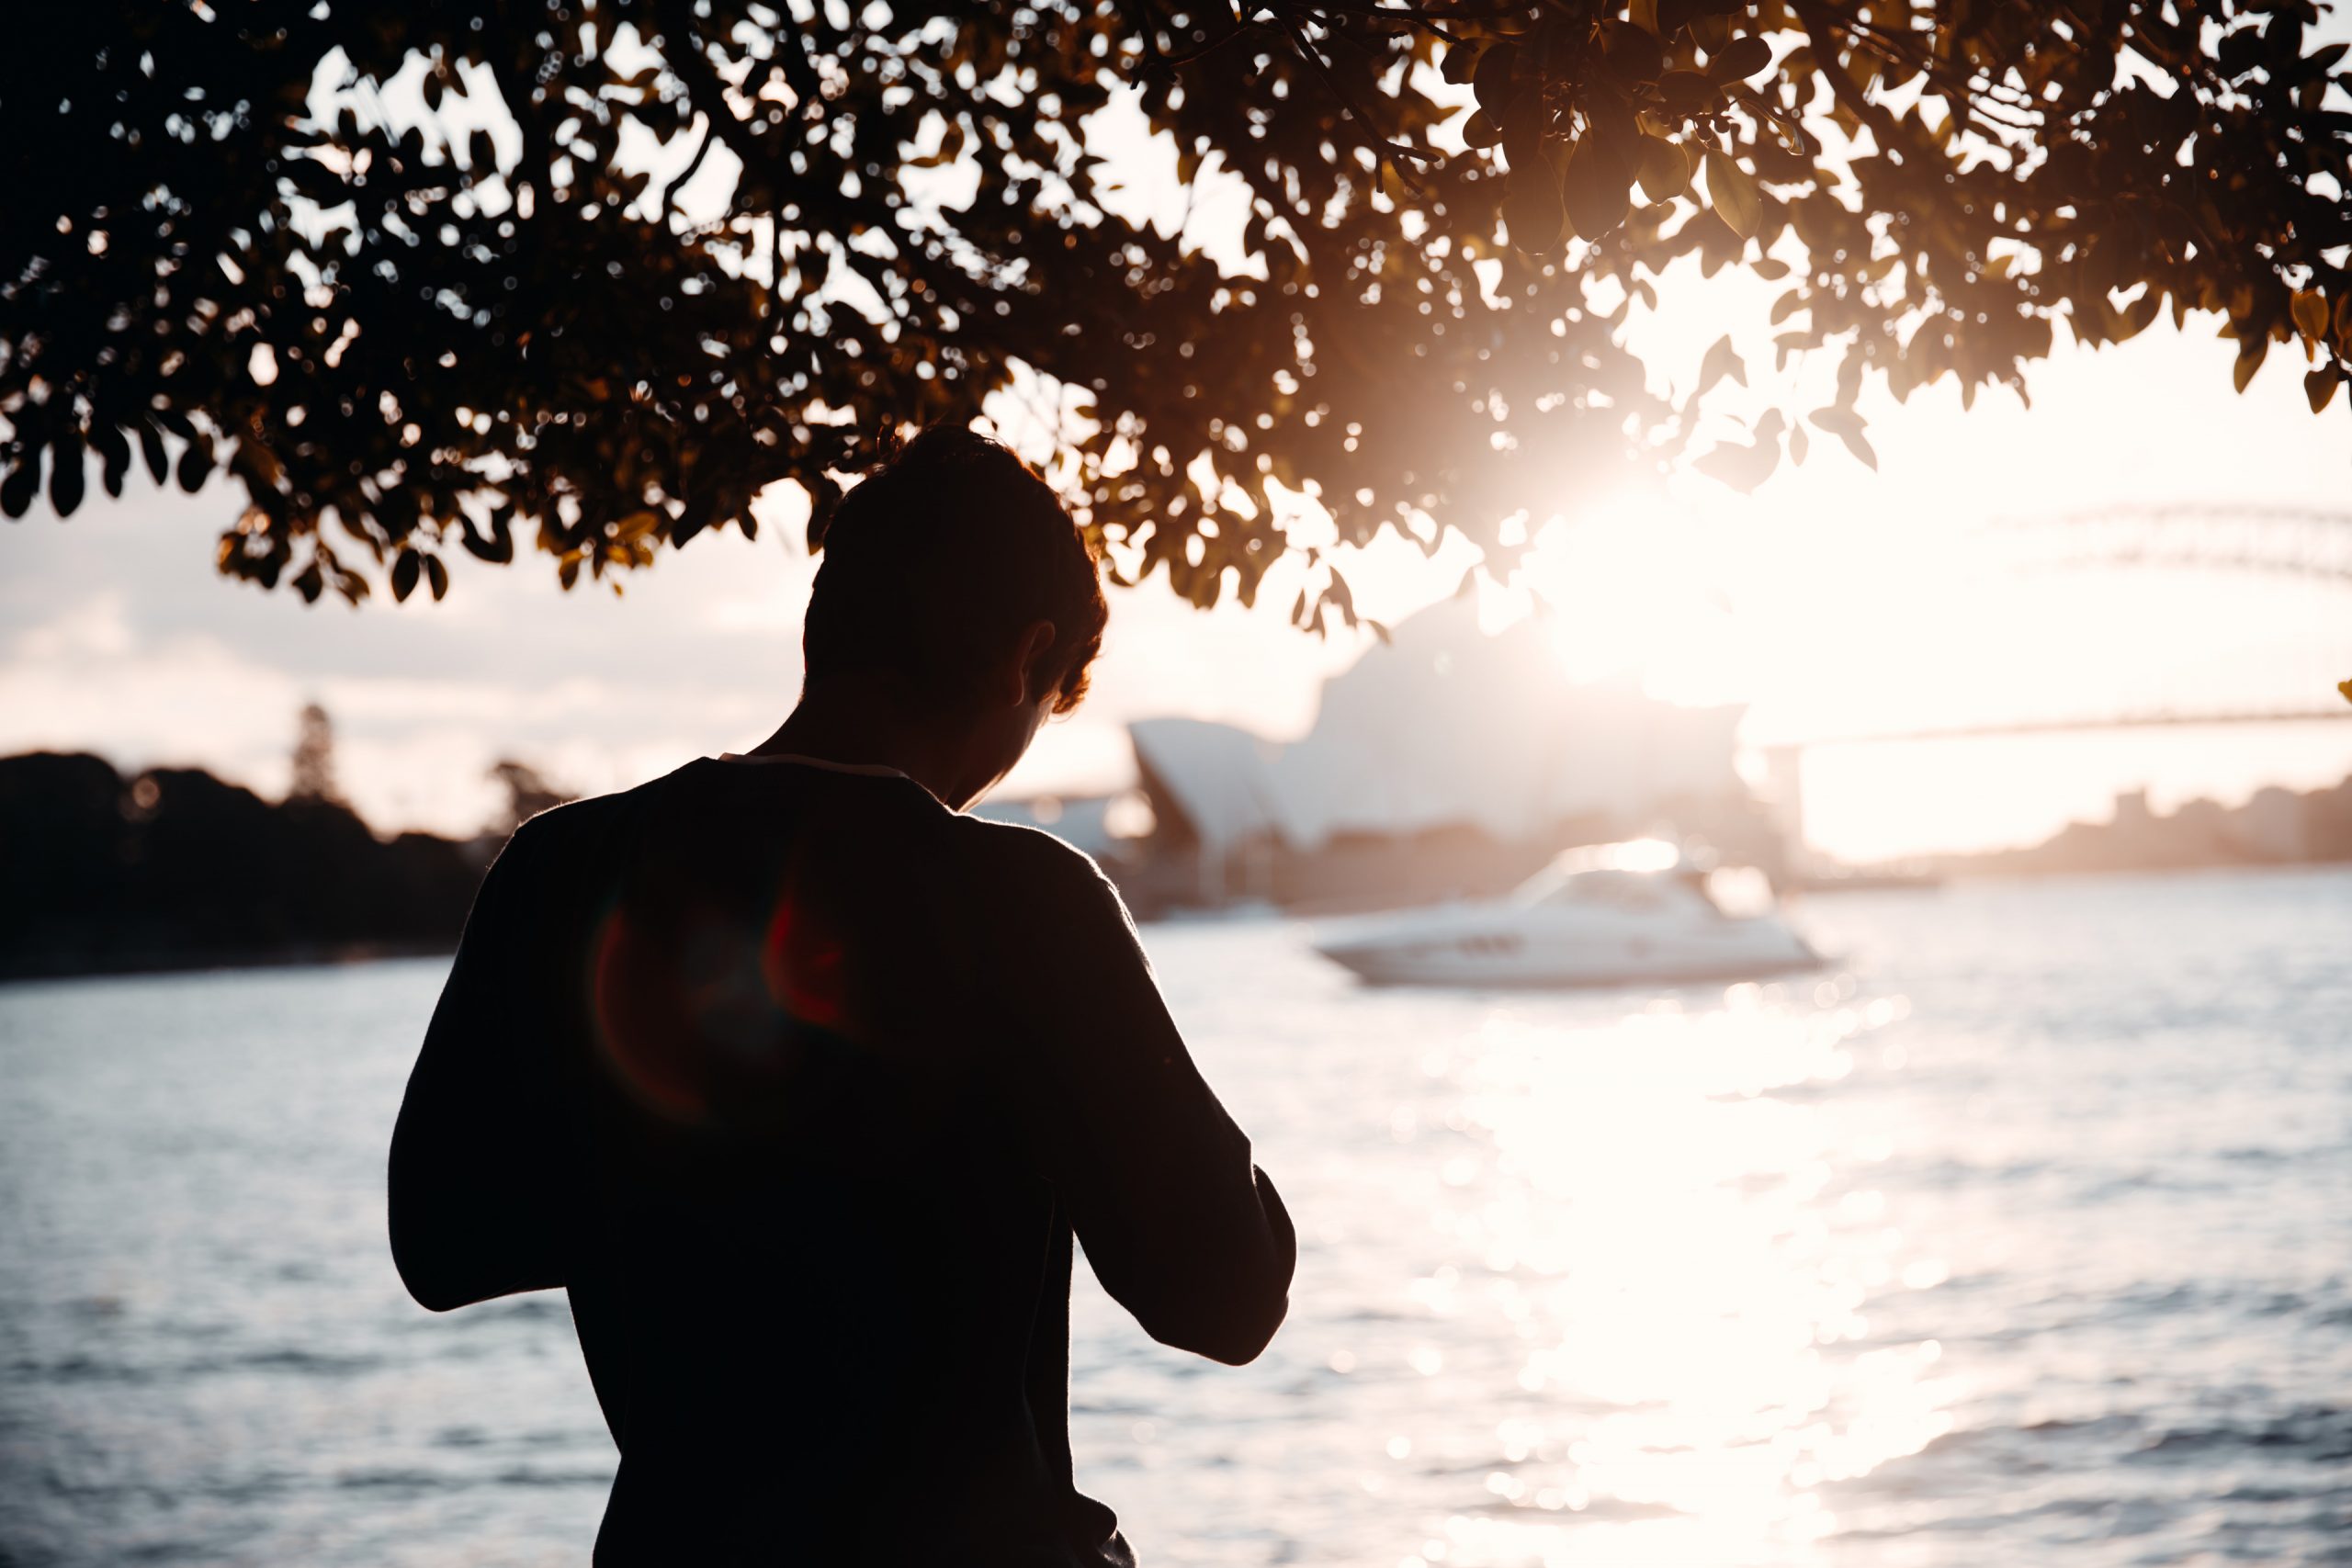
point(1653, 1243)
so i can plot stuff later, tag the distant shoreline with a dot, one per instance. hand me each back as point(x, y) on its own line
point(122, 966)
point(119, 967)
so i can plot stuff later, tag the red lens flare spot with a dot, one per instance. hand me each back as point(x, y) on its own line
point(802, 965)
point(637, 1008)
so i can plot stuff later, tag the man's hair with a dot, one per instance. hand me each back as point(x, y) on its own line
point(937, 561)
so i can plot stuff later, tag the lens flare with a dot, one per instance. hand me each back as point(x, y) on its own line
point(706, 1010)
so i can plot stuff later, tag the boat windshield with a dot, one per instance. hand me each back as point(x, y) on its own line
point(1633, 855)
point(1638, 876)
point(1606, 887)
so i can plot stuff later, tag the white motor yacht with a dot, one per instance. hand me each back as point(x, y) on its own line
point(1613, 914)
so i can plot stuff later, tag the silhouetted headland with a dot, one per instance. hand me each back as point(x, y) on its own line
point(177, 869)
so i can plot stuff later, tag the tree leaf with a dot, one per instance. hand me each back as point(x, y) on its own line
point(1743, 467)
point(114, 453)
point(1531, 208)
point(1663, 169)
point(314, 181)
point(2251, 353)
point(65, 478)
point(1721, 360)
point(1630, 52)
point(23, 483)
point(1341, 597)
point(1523, 123)
point(2318, 387)
point(1747, 55)
point(1732, 192)
point(405, 566)
point(2309, 308)
point(194, 464)
point(150, 448)
point(438, 575)
point(1491, 78)
point(1594, 189)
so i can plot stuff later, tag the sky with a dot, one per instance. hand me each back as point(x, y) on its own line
point(1836, 603)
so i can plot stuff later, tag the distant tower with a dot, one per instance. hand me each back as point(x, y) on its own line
point(314, 757)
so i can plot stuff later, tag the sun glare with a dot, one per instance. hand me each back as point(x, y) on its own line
point(1629, 591)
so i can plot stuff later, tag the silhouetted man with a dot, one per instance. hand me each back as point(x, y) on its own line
point(799, 1081)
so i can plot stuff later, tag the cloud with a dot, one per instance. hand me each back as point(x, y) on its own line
point(82, 679)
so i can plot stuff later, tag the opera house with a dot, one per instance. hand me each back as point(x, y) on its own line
point(1444, 762)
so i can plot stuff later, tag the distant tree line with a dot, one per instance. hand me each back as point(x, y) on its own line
point(176, 869)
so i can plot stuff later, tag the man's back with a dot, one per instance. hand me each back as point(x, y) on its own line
point(799, 1082)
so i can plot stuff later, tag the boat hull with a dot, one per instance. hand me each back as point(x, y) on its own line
point(1555, 972)
point(1478, 947)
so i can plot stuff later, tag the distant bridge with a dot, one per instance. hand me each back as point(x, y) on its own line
point(2292, 541)
point(2190, 718)
point(2309, 644)
point(2166, 682)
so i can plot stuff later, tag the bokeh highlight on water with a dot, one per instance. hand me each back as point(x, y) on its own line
point(2025, 1235)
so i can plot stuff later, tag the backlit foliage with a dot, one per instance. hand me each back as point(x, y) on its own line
point(409, 331)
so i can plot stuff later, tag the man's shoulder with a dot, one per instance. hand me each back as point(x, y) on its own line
point(573, 820)
point(561, 834)
point(1029, 858)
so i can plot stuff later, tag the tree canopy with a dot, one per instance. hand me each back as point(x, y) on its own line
point(420, 276)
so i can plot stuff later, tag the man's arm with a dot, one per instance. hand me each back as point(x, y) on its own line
point(474, 1160)
point(1177, 1223)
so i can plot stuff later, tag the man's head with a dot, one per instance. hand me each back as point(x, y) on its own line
point(954, 581)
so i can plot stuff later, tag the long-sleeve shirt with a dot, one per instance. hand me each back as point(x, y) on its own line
point(801, 1084)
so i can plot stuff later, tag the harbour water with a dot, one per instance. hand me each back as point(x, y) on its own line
point(2023, 1236)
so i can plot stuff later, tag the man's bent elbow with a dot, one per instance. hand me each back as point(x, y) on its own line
point(1251, 1342)
point(437, 1255)
point(435, 1297)
point(433, 1289)
point(1231, 1333)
